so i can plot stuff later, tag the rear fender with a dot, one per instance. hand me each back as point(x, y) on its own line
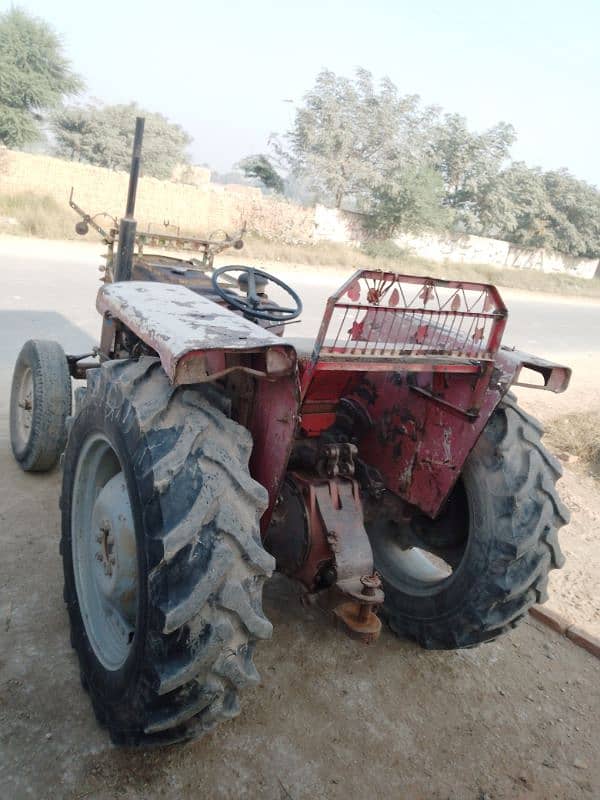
point(421, 431)
point(195, 338)
point(514, 364)
point(198, 341)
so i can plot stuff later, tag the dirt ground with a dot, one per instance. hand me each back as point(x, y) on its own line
point(517, 718)
point(574, 591)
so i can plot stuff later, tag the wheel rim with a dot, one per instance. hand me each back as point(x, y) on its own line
point(104, 552)
point(422, 557)
point(24, 410)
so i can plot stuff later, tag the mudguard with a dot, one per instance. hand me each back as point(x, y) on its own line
point(186, 329)
point(198, 340)
point(419, 365)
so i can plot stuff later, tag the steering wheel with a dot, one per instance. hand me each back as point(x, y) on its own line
point(253, 305)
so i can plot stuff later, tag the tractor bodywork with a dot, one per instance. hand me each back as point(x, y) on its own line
point(403, 378)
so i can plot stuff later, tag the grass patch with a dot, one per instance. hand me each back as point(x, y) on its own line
point(36, 215)
point(327, 254)
point(577, 434)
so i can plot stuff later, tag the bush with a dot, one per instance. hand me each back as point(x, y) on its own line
point(37, 215)
point(383, 248)
point(578, 434)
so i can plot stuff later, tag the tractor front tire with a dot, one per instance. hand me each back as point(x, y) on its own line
point(500, 528)
point(40, 402)
point(163, 562)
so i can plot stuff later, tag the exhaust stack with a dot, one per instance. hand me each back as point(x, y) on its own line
point(128, 225)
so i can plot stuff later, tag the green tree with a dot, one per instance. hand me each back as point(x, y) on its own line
point(575, 215)
point(542, 209)
point(35, 76)
point(410, 167)
point(468, 162)
point(514, 205)
point(346, 133)
point(260, 168)
point(410, 200)
point(103, 136)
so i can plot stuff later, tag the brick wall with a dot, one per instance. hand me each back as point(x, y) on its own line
point(197, 206)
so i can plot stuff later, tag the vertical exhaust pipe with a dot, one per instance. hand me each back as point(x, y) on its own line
point(128, 225)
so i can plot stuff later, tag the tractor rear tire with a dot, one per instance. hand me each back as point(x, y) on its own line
point(508, 543)
point(40, 402)
point(181, 648)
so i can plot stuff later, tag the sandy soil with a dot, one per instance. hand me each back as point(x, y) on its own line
point(574, 591)
point(517, 718)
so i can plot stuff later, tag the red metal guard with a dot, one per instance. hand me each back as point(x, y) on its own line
point(378, 315)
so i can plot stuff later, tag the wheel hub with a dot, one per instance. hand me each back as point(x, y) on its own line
point(25, 406)
point(104, 552)
point(115, 568)
point(107, 544)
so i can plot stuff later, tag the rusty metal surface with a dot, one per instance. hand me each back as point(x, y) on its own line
point(365, 627)
point(420, 431)
point(334, 535)
point(176, 322)
point(317, 536)
point(556, 377)
point(207, 248)
point(108, 236)
point(423, 423)
point(288, 536)
point(335, 460)
point(273, 422)
point(169, 269)
point(340, 508)
point(419, 444)
point(426, 413)
point(367, 591)
point(316, 571)
point(357, 616)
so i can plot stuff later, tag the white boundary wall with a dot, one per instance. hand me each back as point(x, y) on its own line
point(343, 226)
point(480, 250)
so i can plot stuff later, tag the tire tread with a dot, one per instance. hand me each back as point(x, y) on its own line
point(206, 564)
point(521, 477)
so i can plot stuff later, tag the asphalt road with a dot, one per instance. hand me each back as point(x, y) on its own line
point(48, 290)
point(515, 718)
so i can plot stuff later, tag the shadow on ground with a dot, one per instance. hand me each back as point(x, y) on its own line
point(16, 327)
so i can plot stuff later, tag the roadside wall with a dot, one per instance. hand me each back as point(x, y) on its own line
point(344, 226)
point(333, 225)
point(196, 205)
point(480, 250)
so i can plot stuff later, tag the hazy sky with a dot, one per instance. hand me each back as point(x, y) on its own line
point(223, 70)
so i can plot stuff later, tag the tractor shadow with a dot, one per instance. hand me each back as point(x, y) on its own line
point(16, 327)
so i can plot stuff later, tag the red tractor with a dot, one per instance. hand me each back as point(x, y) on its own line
point(388, 470)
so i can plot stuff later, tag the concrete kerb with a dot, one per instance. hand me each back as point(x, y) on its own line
point(575, 633)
